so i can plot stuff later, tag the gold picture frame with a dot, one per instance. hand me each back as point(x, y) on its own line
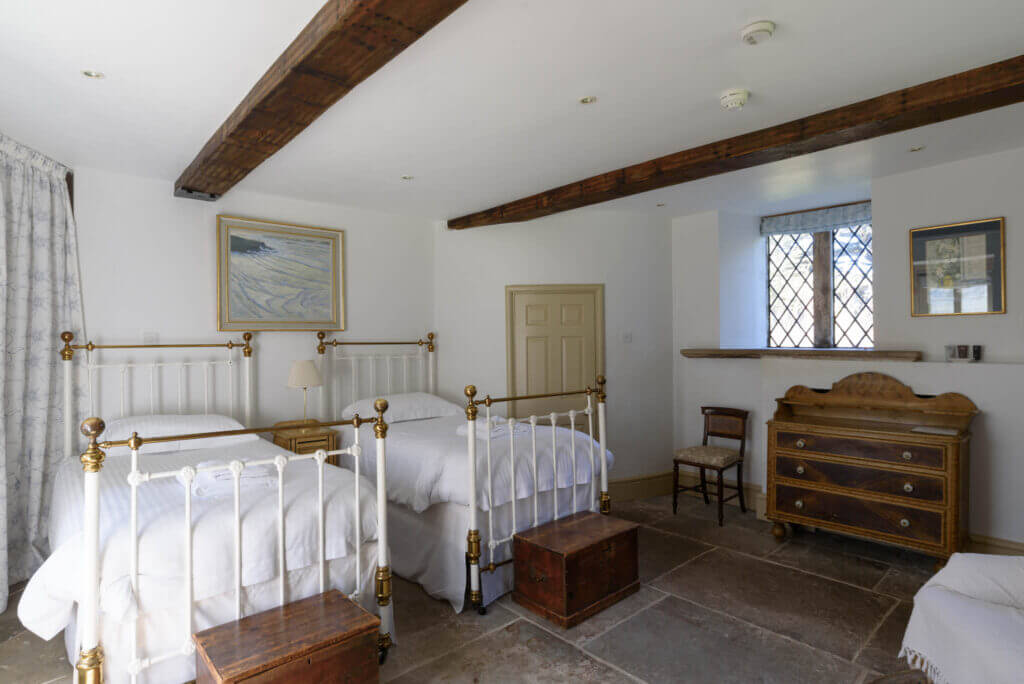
point(279, 276)
point(958, 269)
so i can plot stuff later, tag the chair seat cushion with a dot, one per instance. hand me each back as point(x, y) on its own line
point(713, 456)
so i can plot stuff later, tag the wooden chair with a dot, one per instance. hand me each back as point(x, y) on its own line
point(727, 423)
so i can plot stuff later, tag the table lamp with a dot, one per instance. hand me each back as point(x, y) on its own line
point(304, 374)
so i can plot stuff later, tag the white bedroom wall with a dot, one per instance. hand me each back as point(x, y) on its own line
point(149, 264)
point(629, 253)
point(976, 188)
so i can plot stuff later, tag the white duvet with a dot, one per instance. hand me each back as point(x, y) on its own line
point(48, 602)
point(428, 464)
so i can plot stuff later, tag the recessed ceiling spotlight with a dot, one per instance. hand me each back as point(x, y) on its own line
point(589, 99)
point(660, 204)
point(758, 32)
point(408, 177)
point(89, 73)
point(734, 99)
point(916, 148)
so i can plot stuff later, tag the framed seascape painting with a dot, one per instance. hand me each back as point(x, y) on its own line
point(958, 269)
point(279, 276)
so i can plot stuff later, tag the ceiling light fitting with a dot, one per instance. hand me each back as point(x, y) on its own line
point(589, 99)
point(916, 148)
point(89, 73)
point(407, 177)
point(734, 99)
point(758, 32)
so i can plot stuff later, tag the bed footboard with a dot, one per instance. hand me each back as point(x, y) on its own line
point(595, 500)
point(89, 667)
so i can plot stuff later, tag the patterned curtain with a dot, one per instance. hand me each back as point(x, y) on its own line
point(40, 295)
point(817, 220)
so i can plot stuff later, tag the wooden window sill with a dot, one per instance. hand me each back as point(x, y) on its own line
point(843, 354)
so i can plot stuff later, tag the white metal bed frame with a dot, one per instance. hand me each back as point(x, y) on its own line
point(597, 502)
point(89, 667)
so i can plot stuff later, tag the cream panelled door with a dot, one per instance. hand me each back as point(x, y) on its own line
point(555, 342)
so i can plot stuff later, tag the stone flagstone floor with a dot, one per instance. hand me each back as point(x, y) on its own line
point(725, 604)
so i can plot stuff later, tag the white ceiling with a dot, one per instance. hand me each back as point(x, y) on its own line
point(484, 109)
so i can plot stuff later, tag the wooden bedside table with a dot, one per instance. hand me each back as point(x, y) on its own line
point(306, 437)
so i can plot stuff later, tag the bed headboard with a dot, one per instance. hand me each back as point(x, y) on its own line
point(169, 378)
point(355, 370)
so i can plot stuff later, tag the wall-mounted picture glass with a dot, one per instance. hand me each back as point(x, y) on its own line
point(959, 268)
point(279, 276)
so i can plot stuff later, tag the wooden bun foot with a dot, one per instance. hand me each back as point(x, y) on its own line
point(779, 532)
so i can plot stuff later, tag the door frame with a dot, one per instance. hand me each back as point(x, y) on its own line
point(597, 289)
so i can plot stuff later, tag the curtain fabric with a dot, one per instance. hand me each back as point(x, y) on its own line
point(818, 220)
point(40, 295)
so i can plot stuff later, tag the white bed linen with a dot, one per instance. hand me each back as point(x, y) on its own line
point(968, 621)
point(162, 630)
point(430, 547)
point(427, 463)
point(48, 601)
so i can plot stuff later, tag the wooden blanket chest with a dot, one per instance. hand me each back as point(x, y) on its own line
point(324, 638)
point(570, 569)
point(872, 459)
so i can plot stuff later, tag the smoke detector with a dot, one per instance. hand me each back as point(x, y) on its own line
point(758, 32)
point(734, 99)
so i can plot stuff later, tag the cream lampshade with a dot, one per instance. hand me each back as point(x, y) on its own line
point(304, 374)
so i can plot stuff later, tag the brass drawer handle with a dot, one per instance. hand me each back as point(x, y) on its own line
point(799, 470)
point(800, 444)
point(907, 455)
point(908, 488)
point(904, 523)
point(799, 504)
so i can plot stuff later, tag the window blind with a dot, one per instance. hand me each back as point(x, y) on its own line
point(818, 220)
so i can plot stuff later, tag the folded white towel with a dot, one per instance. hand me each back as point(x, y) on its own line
point(221, 482)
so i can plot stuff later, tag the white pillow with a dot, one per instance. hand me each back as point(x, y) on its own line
point(402, 407)
point(159, 426)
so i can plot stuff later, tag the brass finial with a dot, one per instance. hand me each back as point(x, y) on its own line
point(135, 442)
point(471, 409)
point(430, 342)
point(89, 346)
point(601, 395)
point(321, 348)
point(92, 459)
point(247, 349)
point(67, 353)
point(380, 428)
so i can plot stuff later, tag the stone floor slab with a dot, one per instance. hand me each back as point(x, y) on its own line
point(519, 652)
point(829, 615)
point(809, 557)
point(903, 582)
point(27, 659)
point(660, 552)
point(596, 624)
point(427, 627)
point(881, 653)
point(742, 533)
point(677, 641)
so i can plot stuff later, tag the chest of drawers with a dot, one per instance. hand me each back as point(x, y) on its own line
point(872, 459)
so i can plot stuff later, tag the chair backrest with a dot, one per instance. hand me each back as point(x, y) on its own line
point(728, 423)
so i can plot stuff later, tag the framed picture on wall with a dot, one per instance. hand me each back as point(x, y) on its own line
point(958, 269)
point(279, 276)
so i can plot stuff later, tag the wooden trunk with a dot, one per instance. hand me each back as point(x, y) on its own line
point(324, 638)
point(570, 569)
point(872, 459)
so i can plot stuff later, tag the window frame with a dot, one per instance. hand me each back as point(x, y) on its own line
point(822, 255)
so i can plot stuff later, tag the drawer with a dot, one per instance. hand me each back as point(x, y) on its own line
point(310, 445)
point(890, 452)
point(871, 516)
point(866, 478)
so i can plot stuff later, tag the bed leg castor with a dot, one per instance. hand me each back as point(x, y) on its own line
point(481, 610)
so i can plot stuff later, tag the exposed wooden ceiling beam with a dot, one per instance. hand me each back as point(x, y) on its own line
point(346, 42)
point(965, 93)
